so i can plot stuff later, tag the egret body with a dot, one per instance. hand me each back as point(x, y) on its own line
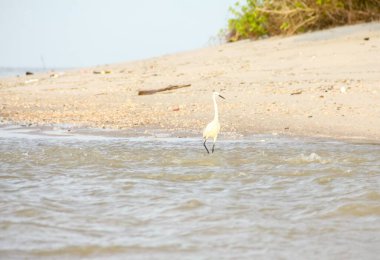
point(213, 128)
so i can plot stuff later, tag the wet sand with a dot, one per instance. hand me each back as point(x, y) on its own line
point(323, 84)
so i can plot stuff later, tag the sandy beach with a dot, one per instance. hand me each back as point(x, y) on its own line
point(324, 84)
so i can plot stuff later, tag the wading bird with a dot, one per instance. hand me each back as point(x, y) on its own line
point(212, 129)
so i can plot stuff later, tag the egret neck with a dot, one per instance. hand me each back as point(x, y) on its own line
point(216, 116)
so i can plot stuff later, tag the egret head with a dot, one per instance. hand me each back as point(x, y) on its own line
point(217, 94)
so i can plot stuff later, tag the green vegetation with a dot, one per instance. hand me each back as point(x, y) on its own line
point(257, 18)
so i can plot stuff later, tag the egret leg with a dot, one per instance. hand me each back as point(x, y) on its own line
point(204, 144)
point(213, 146)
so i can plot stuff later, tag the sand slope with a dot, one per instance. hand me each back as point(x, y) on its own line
point(319, 84)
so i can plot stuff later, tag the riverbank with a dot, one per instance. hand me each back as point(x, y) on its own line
point(317, 84)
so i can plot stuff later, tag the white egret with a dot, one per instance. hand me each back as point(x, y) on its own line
point(212, 129)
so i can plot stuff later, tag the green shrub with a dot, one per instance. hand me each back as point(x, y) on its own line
point(257, 18)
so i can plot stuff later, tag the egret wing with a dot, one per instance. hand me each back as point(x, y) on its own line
point(211, 130)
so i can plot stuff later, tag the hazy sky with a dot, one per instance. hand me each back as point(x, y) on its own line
point(74, 33)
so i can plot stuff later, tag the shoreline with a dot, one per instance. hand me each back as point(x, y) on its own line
point(323, 84)
point(68, 131)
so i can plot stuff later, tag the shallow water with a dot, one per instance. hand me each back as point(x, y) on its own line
point(66, 195)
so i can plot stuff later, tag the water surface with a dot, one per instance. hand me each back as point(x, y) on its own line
point(65, 195)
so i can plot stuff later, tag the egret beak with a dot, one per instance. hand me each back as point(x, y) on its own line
point(222, 97)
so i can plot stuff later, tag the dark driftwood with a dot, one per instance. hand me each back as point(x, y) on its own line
point(153, 91)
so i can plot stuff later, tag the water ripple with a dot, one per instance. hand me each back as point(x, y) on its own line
point(68, 196)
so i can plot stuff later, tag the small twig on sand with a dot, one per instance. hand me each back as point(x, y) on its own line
point(153, 91)
point(297, 92)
